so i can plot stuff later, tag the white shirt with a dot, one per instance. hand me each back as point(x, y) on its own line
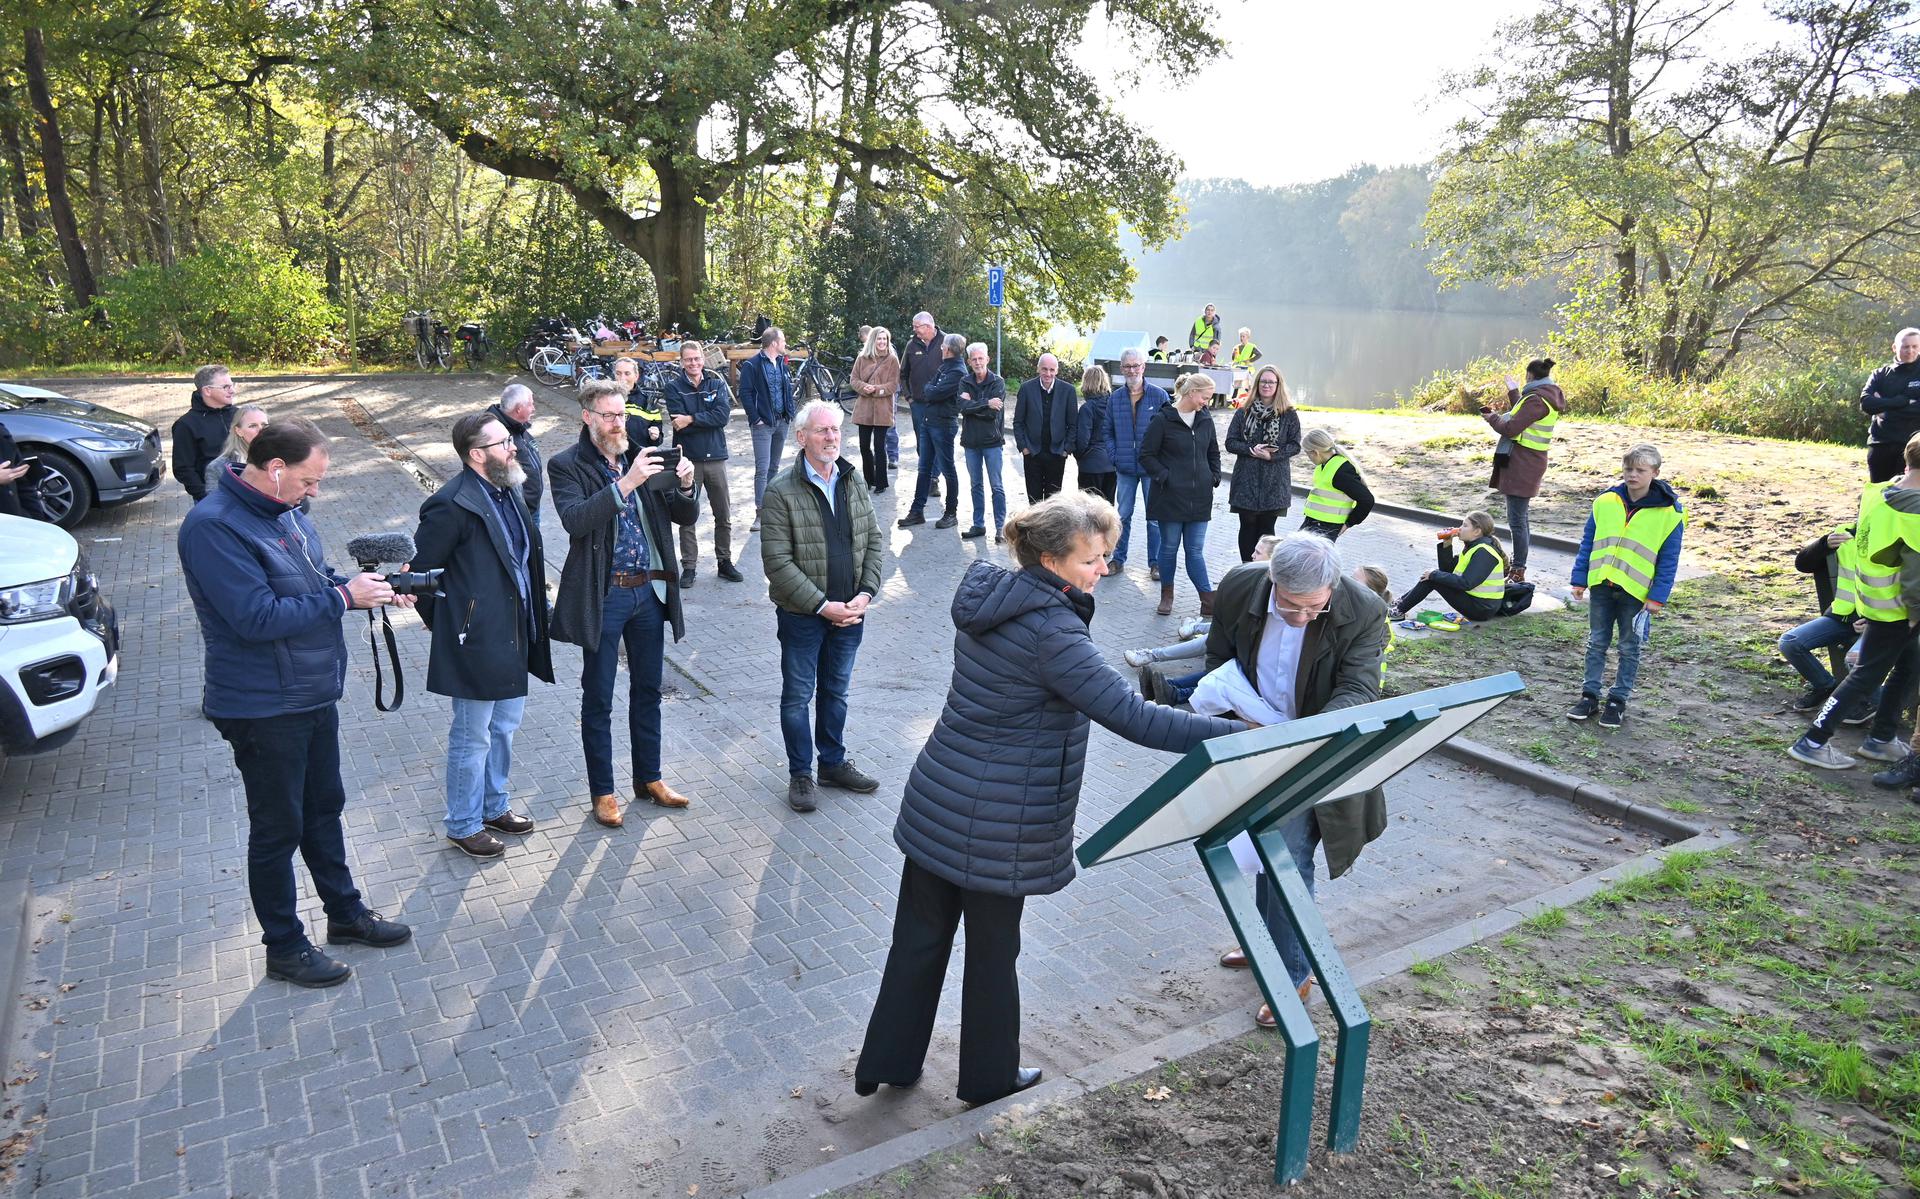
point(1277, 664)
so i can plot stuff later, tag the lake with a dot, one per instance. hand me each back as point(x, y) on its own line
point(1348, 358)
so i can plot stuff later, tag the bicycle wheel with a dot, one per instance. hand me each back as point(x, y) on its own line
point(545, 363)
point(443, 350)
point(422, 352)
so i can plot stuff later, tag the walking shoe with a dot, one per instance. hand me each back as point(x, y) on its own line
point(482, 844)
point(947, 521)
point(1905, 774)
point(1139, 657)
point(1890, 750)
point(933, 490)
point(1153, 572)
point(658, 791)
point(370, 929)
point(999, 534)
point(1824, 756)
point(848, 777)
point(1584, 708)
point(1517, 574)
point(1861, 712)
point(1146, 681)
point(1162, 688)
point(726, 571)
point(975, 531)
point(800, 793)
point(909, 520)
point(308, 968)
point(606, 809)
point(1613, 713)
point(507, 822)
point(1190, 627)
point(1811, 699)
point(755, 526)
point(686, 578)
point(1117, 567)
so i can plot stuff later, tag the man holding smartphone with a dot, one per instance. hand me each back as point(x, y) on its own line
point(620, 585)
point(19, 482)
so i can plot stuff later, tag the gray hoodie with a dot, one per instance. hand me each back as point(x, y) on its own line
point(1907, 500)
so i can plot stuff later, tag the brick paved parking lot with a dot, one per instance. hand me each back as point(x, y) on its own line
point(673, 1004)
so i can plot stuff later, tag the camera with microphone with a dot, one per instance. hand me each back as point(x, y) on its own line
point(372, 549)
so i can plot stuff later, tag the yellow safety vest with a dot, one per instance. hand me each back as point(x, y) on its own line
point(1876, 585)
point(1847, 578)
point(1385, 652)
point(650, 414)
point(1327, 504)
point(1494, 586)
point(1203, 334)
point(1539, 434)
point(1626, 549)
point(1243, 355)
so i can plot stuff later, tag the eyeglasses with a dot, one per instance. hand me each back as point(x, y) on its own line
point(615, 415)
point(489, 445)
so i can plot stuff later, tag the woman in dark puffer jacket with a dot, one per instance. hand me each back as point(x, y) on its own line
point(988, 814)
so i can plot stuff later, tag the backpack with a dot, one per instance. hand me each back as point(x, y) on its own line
point(1518, 599)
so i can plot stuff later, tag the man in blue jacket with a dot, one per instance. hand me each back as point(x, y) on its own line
point(940, 405)
point(766, 393)
point(699, 405)
point(269, 610)
point(1130, 410)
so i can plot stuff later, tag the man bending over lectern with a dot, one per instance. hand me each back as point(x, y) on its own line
point(1309, 639)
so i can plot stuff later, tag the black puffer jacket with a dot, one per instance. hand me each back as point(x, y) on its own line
point(1183, 460)
point(199, 436)
point(990, 803)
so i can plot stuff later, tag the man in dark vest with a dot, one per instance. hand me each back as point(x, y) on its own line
point(820, 544)
point(489, 623)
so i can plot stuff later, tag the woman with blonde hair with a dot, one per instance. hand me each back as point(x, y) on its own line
point(1182, 457)
point(248, 420)
point(1093, 461)
point(1472, 581)
point(1263, 435)
point(874, 379)
point(1340, 498)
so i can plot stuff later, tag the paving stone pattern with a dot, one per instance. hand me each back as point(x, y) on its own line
point(677, 1003)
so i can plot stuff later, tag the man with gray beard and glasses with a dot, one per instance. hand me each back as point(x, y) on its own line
point(489, 621)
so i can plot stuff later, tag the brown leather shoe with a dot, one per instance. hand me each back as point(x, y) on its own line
point(1264, 1017)
point(1235, 959)
point(1166, 600)
point(606, 809)
point(665, 796)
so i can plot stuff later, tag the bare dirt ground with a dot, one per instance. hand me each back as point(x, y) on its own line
point(1741, 1023)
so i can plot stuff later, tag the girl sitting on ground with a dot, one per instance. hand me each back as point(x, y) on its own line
point(1471, 580)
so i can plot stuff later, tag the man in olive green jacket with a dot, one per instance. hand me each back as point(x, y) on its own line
point(820, 545)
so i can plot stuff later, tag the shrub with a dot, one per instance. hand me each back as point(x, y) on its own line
point(225, 302)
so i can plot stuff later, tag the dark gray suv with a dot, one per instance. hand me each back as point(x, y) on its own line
point(90, 457)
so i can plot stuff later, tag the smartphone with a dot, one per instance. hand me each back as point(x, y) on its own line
point(669, 458)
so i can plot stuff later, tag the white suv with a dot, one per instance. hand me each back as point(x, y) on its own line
point(59, 638)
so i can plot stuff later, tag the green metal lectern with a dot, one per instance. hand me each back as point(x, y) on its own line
point(1253, 782)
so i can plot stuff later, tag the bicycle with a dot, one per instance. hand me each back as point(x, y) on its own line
point(432, 344)
point(472, 337)
point(813, 379)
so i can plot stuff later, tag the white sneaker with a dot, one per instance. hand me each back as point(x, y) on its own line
point(1890, 750)
point(1824, 756)
point(1137, 658)
point(1190, 627)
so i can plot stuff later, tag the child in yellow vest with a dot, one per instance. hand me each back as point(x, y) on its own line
point(1629, 555)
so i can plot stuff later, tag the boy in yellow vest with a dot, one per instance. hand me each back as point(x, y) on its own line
point(1886, 590)
point(1628, 557)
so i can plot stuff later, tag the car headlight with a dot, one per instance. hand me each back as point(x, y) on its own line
point(105, 445)
point(35, 601)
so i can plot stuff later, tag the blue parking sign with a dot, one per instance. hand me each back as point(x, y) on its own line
point(996, 286)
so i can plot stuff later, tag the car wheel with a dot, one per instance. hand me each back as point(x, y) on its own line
point(65, 489)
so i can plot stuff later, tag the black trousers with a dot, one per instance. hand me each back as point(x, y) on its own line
point(1045, 473)
point(1886, 462)
point(1888, 654)
point(929, 912)
point(1105, 484)
point(1254, 526)
point(873, 455)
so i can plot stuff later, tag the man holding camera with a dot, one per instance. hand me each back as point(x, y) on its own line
point(269, 610)
point(619, 585)
point(489, 623)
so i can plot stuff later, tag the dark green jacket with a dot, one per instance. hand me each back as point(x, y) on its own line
point(793, 538)
point(1339, 668)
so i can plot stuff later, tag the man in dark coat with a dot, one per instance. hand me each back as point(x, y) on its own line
point(766, 395)
point(920, 361)
point(700, 407)
point(515, 411)
point(619, 585)
point(19, 482)
point(489, 624)
point(1891, 397)
point(1044, 421)
point(200, 433)
point(937, 412)
point(1310, 639)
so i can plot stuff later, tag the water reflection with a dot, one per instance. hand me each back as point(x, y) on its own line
point(1350, 358)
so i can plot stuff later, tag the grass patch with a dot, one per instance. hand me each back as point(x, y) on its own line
point(1546, 920)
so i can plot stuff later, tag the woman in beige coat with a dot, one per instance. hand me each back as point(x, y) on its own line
point(876, 377)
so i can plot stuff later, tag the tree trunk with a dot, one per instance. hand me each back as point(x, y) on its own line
point(675, 246)
point(329, 234)
point(146, 98)
point(53, 165)
point(26, 210)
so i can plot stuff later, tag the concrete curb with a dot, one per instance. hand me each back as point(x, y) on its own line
point(904, 1150)
point(1575, 790)
point(16, 945)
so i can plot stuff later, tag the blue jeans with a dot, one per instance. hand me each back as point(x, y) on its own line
point(290, 766)
point(1302, 834)
point(1798, 647)
point(1124, 486)
point(769, 442)
point(934, 442)
point(1611, 609)
point(816, 664)
point(633, 615)
point(479, 758)
point(1193, 535)
point(990, 458)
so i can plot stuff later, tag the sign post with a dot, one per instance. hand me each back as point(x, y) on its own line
point(1255, 782)
point(997, 299)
